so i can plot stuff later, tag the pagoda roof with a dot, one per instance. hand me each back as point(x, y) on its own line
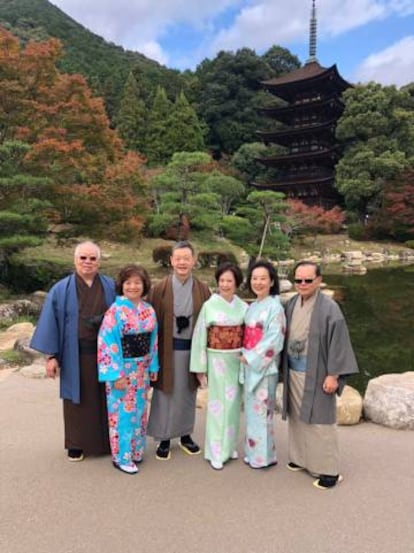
point(287, 135)
point(285, 184)
point(311, 75)
point(331, 101)
point(274, 161)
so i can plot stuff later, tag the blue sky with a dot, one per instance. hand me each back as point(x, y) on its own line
point(367, 39)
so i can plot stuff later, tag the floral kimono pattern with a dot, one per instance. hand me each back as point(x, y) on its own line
point(222, 369)
point(127, 409)
point(263, 341)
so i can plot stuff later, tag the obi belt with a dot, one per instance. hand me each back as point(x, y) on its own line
point(136, 345)
point(225, 337)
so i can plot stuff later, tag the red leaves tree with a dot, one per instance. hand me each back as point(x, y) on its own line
point(304, 218)
point(95, 184)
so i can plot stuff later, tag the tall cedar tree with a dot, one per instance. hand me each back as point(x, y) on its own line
point(157, 149)
point(184, 132)
point(132, 116)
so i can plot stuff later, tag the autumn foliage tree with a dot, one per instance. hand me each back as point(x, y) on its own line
point(302, 218)
point(68, 142)
point(395, 218)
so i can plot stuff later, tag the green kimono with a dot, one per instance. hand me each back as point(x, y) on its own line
point(222, 368)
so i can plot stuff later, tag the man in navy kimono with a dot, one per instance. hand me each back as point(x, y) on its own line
point(67, 333)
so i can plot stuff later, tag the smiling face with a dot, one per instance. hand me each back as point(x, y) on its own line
point(133, 288)
point(182, 262)
point(227, 285)
point(260, 282)
point(309, 282)
point(87, 261)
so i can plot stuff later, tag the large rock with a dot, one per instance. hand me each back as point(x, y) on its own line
point(349, 407)
point(16, 332)
point(18, 308)
point(389, 400)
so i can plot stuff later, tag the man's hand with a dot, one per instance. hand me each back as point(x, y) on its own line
point(330, 384)
point(52, 367)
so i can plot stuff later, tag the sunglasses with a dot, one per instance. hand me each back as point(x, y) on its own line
point(304, 280)
point(86, 257)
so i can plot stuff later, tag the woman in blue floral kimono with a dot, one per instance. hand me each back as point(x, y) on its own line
point(127, 361)
point(263, 341)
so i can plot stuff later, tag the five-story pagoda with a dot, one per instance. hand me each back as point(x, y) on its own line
point(313, 105)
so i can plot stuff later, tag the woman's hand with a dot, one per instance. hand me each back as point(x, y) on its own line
point(153, 377)
point(202, 379)
point(121, 383)
point(243, 360)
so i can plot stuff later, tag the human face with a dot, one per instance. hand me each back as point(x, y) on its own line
point(87, 262)
point(260, 282)
point(227, 285)
point(182, 262)
point(307, 272)
point(133, 288)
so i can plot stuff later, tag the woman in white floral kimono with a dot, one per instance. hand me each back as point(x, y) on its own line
point(263, 341)
point(215, 357)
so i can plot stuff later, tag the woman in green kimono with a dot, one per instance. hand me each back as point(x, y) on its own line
point(215, 357)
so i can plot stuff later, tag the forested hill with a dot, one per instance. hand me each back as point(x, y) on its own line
point(105, 65)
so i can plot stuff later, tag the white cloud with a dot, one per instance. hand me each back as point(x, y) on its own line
point(394, 65)
point(267, 22)
point(153, 51)
point(132, 22)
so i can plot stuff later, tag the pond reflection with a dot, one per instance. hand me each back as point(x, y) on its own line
point(379, 309)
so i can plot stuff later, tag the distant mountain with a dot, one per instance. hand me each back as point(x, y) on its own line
point(105, 65)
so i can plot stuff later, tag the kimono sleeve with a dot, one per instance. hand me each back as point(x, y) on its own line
point(110, 359)
point(271, 344)
point(198, 360)
point(46, 338)
point(341, 359)
point(154, 365)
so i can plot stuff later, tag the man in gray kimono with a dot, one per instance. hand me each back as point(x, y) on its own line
point(177, 301)
point(317, 358)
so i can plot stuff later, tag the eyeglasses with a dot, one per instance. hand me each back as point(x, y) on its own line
point(86, 257)
point(304, 280)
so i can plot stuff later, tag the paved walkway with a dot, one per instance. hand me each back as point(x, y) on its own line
point(50, 505)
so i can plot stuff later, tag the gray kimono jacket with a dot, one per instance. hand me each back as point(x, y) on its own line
point(329, 353)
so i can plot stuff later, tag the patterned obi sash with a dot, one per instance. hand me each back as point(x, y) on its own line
point(225, 337)
point(136, 345)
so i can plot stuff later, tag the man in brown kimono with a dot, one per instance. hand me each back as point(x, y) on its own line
point(177, 301)
point(67, 333)
point(317, 358)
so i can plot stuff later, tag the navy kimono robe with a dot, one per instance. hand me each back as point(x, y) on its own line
point(57, 331)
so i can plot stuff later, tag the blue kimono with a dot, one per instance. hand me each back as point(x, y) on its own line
point(57, 331)
point(128, 347)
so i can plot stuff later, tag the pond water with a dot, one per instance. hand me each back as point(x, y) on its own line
point(379, 309)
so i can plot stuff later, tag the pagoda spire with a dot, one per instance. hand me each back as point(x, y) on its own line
point(312, 35)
